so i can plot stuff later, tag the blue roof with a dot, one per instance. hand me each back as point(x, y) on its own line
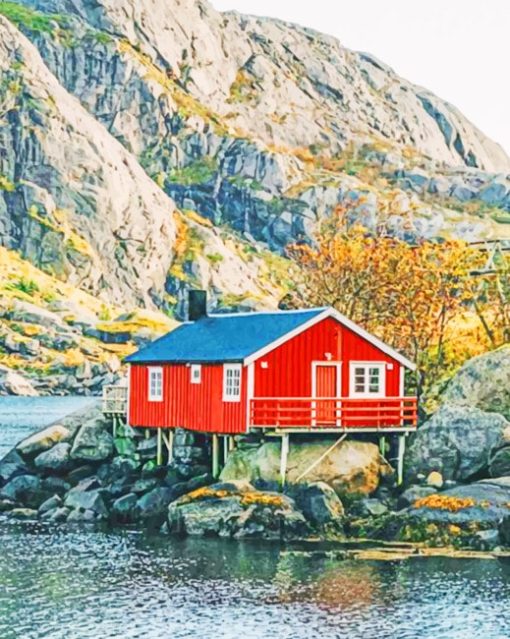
point(222, 338)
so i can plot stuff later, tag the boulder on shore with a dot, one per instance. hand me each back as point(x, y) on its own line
point(236, 509)
point(485, 503)
point(93, 443)
point(319, 503)
point(352, 467)
point(56, 459)
point(43, 440)
point(483, 382)
point(458, 442)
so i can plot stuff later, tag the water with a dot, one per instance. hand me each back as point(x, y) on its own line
point(58, 583)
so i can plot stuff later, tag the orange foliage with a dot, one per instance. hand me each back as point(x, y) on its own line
point(445, 502)
point(408, 295)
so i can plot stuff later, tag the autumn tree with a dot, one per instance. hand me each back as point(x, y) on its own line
point(408, 295)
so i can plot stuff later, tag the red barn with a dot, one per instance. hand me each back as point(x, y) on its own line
point(283, 371)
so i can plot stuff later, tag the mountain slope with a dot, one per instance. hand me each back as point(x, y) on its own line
point(266, 126)
point(150, 146)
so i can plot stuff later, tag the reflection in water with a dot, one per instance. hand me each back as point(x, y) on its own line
point(74, 583)
point(71, 583)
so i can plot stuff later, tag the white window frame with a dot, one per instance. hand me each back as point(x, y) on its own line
point(155, 383)
point(231, 372)
point(196, 374)
point(367, 394)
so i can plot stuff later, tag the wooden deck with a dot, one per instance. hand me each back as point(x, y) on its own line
point(115, 400)
point(325, 414)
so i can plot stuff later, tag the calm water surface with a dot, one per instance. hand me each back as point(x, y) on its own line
point(85, 584)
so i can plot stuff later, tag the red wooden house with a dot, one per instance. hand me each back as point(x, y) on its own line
point(288, 371)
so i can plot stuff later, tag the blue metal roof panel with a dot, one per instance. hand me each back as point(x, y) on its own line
point(222, 338)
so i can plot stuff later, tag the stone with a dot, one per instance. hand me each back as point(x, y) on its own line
point(353, 467)
point(154, 504)
point(147, 448)
point(82, 472)
point(142, 486)
point(435, 480)
point(13, 383)
point(457, 441)
point(319, 503)
point(50, 504)
point(89, 483)
point(373, 507)
point(125, 446)
point(221, 510)
point(118, 468)
point(483, 382)
point(23, 513)
point(11, 466)
point(57, 459)
point(93, 442)
point(183, 438)
point(495, 193)
point(87, 501)
point(488, 539)
point(482, 503)
point(412, 494)
point(44, 440)
point(27, 490)
point(79, 516)
point(499, 462)
point(56, 485)
point(122, 508)
point(56, 515)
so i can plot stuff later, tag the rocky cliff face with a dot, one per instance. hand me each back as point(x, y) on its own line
point(152, 146)
point(266, 126)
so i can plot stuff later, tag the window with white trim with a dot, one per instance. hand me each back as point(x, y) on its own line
point(232, 382)
point(155, 384)
point(196, 373)
point(367, 379)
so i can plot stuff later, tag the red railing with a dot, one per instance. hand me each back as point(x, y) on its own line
point(391, 413)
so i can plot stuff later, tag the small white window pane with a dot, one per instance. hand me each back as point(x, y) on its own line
point(196, 374)
point(367, 379)
point(232, 382)
point(155, 384)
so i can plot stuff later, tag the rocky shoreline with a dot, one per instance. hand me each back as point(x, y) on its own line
point(456, 492)
point(77, 472)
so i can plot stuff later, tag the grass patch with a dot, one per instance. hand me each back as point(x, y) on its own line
point(29, 287)
point(36, 21)
point(198, 172)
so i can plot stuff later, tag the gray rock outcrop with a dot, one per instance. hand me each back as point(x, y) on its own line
point(457, 441)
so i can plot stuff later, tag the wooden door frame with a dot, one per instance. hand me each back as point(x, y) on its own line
point(338, 366)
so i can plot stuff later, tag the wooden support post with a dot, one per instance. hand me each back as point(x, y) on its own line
point(225, 449)
point(114, 426)
point(284, 458)
point(231, 443)
point(400, 462)
point(159, 454)
point(215, 456)
point(382, 445)
point(171, 446)
point(169, 443)
point(147, 433)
